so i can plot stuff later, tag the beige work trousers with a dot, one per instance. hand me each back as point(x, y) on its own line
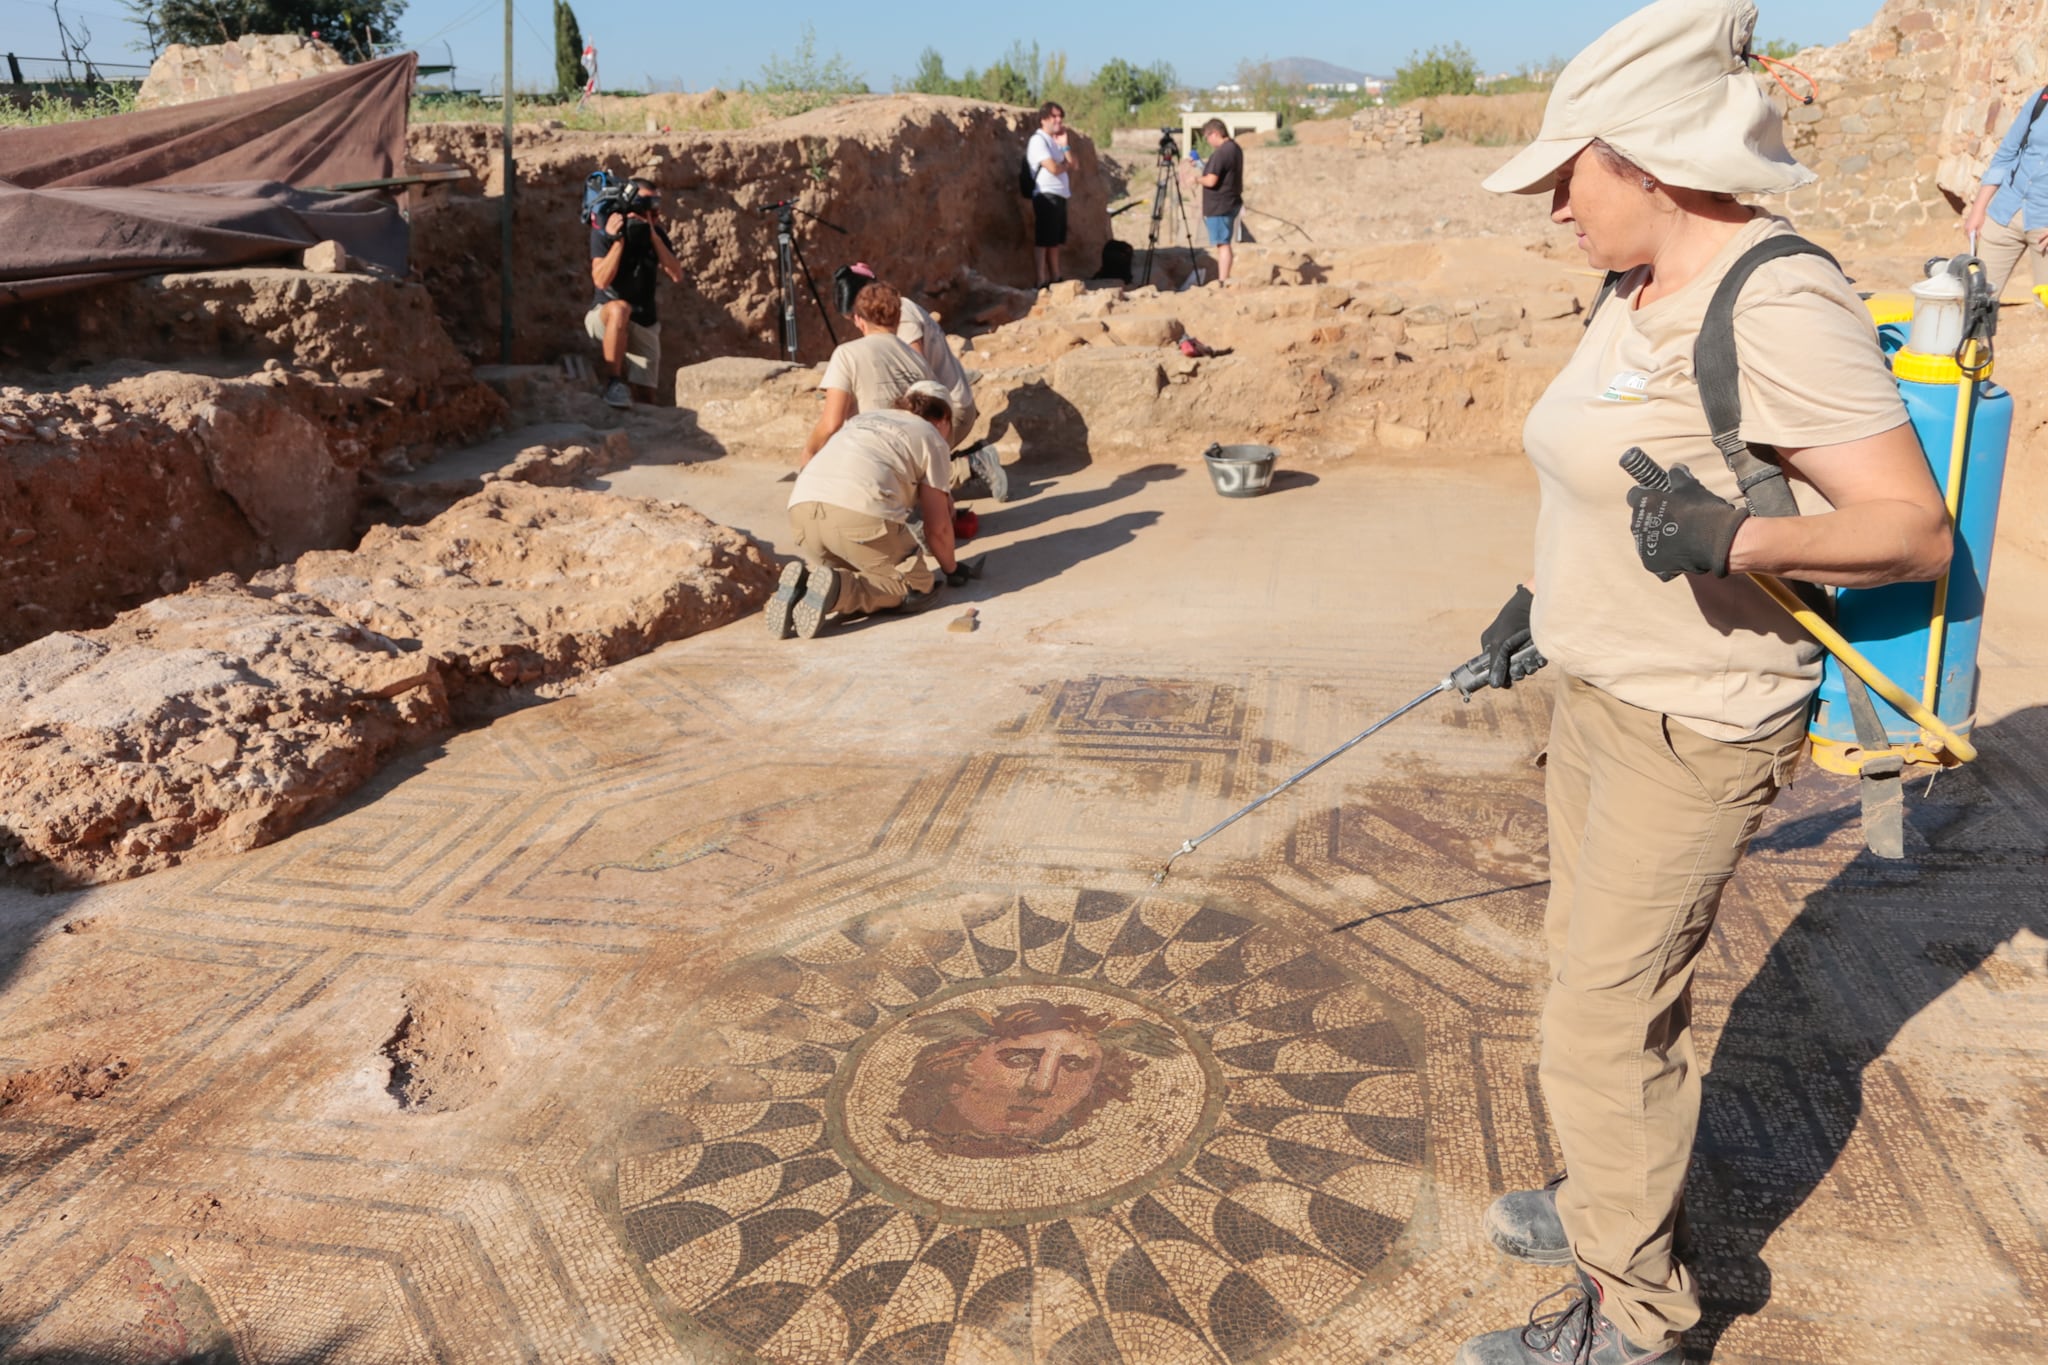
point(1647, 821)
point(2000, 246)
point(879, 561)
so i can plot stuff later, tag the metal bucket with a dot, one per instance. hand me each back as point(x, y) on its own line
point(1240, 471)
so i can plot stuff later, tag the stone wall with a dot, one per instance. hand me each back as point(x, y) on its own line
point(184, 74)
point(1386, 127)
point(1910, 109)
point(2005, 60)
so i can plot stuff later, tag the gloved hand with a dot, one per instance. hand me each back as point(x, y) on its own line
point(1685, 529)
point(957, 576)
point(1506, 637)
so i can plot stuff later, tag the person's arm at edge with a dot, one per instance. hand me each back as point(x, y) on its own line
point(1999, 169)
point(604, 269)
point(838, 406)
point(937, 506)
point(666, 254)
point(1889, 524)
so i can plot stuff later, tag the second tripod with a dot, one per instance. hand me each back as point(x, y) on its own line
point(789, 261)
point(1169, 175)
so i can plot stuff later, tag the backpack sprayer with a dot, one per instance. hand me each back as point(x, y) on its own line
point(1913, 644)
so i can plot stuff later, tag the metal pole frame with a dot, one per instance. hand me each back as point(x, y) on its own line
point(505, 211)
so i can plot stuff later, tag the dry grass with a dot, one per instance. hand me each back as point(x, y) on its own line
point(709, 110)
point(1485, 120)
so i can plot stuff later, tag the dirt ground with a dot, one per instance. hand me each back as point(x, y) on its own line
point(604, 1031)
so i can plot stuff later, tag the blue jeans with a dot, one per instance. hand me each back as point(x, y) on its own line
point(1222, 229)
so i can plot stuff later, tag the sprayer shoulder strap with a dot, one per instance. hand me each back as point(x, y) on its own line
point(1718, 374)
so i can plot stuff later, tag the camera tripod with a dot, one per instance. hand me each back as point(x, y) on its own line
point(1169, 174)
point(789, 260)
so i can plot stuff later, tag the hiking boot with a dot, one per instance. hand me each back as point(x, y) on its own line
point(1524, 1224)
point(821, 590)
point(782, 605)
point(1575, 1332)
point(914, 601)
point(988, 466)
point(618, 395)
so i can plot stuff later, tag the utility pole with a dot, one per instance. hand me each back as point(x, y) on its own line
point(505, 212)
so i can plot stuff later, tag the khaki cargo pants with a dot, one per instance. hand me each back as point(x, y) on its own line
point(879, 561)
point(1647, 821)
point(2001, 245)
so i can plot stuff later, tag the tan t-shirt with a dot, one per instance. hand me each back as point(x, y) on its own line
point(876, 370)
point(875, 463)
point(921, 328)
point(1715, 654)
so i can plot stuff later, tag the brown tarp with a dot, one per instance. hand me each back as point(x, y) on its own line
point(221, 182)
point(326, 130)
point(61, 239)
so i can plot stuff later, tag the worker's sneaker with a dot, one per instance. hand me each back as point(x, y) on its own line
point(821, 590)
point(618, 395)
point(1566, 1325)
point(1524, 1224)
point(782, 604)
point(988, 466)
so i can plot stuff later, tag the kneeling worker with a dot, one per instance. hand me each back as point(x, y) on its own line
point(920, 331)
point(849, 509)
point(869, 373)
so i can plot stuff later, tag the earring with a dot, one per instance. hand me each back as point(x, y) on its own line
point(1648, 183)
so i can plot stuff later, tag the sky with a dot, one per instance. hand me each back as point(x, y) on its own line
point(690, 47)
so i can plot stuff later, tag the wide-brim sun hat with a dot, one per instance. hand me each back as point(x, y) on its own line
point(1669, 88)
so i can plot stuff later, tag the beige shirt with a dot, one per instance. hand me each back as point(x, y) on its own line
point(1715, 654)
point(875, 463)
point(921, 328)
point(876, 370)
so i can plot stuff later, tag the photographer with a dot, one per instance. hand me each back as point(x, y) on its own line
point(1222, 192)
point(624, 255)
point(1049, 164)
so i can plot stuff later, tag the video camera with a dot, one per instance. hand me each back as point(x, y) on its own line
point(1169, 148)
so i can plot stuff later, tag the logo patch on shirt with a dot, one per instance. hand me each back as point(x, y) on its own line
point(1627, 386)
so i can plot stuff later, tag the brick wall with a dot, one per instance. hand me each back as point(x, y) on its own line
point(1382, 128)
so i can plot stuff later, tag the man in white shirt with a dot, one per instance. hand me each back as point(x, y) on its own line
point(1049, 163)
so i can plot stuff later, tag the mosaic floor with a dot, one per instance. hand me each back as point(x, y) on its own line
point(798, 1034)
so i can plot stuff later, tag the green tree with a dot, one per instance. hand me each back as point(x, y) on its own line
point(1779, 49)
point(568, 51)
point(1126, 87)
point(803, 80)
point(1439, 71)
point(930, 77)
point(354, 28)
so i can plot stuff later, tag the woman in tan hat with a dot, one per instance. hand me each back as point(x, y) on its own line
point(1682, 694)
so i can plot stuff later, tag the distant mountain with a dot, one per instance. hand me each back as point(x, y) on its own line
point(1310, 71)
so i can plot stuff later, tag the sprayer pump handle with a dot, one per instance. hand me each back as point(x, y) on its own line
point(1476, 673)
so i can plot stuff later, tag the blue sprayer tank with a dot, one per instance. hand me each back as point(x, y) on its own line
point(1892, 625)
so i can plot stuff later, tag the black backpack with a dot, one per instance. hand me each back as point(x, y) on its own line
point(1027, 176)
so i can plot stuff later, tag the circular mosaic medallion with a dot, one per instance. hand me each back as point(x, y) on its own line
point(1016, 1101)
point(1056, 1127)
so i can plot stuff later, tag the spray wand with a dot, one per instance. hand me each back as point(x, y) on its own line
point(1474, 675)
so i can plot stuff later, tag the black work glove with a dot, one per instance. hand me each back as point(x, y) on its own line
point(1506, 637)
point(1685, 528)
point(957, 576)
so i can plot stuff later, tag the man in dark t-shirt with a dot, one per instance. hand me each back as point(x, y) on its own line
point(1222, 192)
point(625, 254)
